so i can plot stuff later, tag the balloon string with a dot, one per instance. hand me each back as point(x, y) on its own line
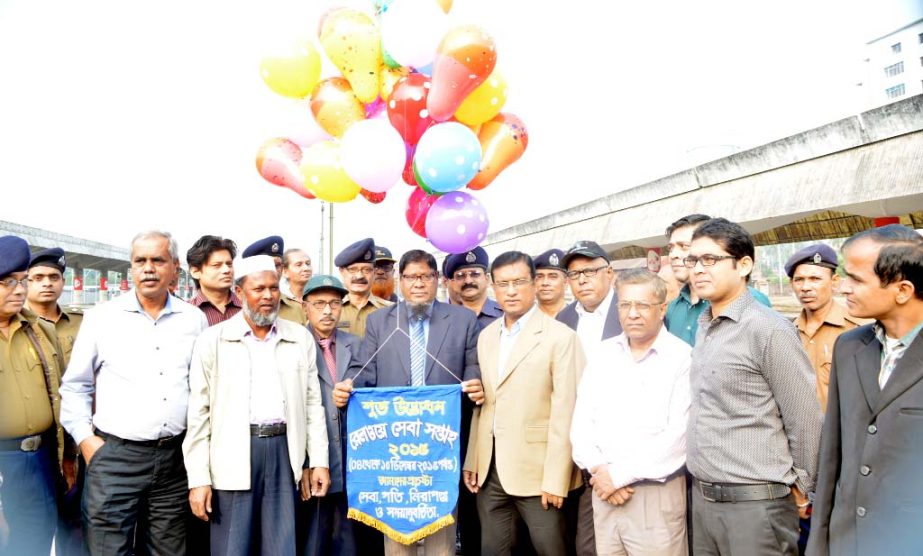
point(397, 328)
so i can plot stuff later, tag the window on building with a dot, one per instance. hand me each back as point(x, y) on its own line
point(894, 69)
point(895, 91)
point(920, 36)
point(896, 48)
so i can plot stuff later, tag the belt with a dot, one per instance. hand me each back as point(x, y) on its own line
point(724, 492)
point(24, 443)
point(678, 473)
point(266, 431)
point(157, 443)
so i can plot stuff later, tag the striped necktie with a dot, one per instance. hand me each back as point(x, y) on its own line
point(329, 357)
point(417, 352)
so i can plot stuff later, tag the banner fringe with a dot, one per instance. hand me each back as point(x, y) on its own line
point(397, 536)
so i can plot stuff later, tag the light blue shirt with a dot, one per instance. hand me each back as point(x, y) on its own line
point(508, 340)
point(137, 366)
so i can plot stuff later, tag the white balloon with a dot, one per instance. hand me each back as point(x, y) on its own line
point(372, 153)
point(411, 31)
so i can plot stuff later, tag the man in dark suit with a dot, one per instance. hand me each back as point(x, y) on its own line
point(450, 335)
point(869, 497)
point(594, 315)
point(328, 530)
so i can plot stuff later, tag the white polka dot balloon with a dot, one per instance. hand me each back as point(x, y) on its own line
point(448, 156)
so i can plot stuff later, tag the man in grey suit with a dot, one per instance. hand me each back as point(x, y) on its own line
point(594, 315)
point(869, 497)
point(328, 530)
point(450, 334)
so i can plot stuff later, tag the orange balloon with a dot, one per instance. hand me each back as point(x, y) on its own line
point(465, 58)
point(503, 140)
point(335, 106)
point(389, 78)
point(446, 5)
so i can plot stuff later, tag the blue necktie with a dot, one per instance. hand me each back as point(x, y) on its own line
point(417, 352)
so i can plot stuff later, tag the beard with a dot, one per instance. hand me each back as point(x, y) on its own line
point(383, 289)
point(259, 319)
point(418, 310)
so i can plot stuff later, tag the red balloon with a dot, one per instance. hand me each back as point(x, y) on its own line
point(417, 208)
point(407, 107)
point(410, 177)
point(372, 197)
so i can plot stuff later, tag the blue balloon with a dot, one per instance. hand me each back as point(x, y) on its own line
point(426, 70)
point(448, 156)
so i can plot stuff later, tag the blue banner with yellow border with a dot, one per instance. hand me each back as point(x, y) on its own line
point(403, 459)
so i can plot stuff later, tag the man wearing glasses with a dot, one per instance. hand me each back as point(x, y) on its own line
point(356, 268)
point(30, 431)
point(518, 459)
point(629, 426)
point(754, 423)
point(431, 331)
point(594, 315)
point(467, 274)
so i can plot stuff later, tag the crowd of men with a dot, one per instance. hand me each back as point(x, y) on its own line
point(624, 422)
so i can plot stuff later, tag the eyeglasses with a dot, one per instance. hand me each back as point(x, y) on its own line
point(464, 275)
point(706, 260)
point(586, 272)
point(363, 270)
point(384, 268)
point(517, 284)
point(10, 283)
point(640, 306)
point(411, 279)
point(320, 305)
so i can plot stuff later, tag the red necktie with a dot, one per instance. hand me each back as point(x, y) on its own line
point(329, 357)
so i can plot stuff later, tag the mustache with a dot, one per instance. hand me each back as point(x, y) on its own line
point(360, 281)
point(469, 286)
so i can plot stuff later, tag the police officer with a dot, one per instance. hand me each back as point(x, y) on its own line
point(31, 438)
point(467, 280)
point(550, 282)
point(46, 283)
point(273, 246)
point(383, 275)
point(356, 264)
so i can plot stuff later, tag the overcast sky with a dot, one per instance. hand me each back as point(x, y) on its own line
point(120, 116)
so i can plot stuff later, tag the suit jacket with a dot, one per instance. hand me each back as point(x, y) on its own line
point(217, 444)
point(526, 414)
point(347, 358)
point(611, 329)
point(869, 497)
point(453, 333)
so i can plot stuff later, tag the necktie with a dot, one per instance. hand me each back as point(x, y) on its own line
point(417, 352)
point(329, 357)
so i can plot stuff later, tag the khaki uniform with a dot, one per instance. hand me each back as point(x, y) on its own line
point(352, 317)
point(292, 310)
point(25, 409)
point(819, 345)
point(67, 327)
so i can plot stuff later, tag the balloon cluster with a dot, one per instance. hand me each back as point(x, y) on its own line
point(415, 100)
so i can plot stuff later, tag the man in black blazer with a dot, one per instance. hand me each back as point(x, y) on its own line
point(328, 531)
point(594, 315)
point(869, 497)
point(450, 334)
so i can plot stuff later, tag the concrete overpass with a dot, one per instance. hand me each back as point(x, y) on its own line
point(827, 182)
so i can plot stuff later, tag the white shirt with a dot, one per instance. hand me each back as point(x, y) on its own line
point(266, 402)
point(137, 366)
point(631, 415)
point(590, 326)
point(508, 340)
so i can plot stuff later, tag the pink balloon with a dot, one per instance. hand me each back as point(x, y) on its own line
point(457, 222)
point(278, 161)
point(417, 208)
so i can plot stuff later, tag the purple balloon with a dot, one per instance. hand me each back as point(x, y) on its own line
point(457, 222)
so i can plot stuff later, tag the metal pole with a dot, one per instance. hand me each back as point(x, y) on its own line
point(330, 239)
point(320, 262)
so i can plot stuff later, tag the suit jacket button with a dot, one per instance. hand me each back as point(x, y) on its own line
point(860, 511)
point(865, 470)
point(872, 429)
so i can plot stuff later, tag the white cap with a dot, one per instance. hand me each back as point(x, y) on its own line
point(250, 265)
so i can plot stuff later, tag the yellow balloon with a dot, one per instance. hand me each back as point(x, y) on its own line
point(324, 175)
point(446, 5)
point(389, 78)
point(483, 103)
point(352, 41)
point(292, 73)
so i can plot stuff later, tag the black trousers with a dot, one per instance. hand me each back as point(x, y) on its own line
point(498, 511)
point(136, 496)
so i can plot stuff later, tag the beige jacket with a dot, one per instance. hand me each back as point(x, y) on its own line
point(217, 444)
point(527, 415)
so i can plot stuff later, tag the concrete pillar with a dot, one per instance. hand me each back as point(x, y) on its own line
point(78, 286)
